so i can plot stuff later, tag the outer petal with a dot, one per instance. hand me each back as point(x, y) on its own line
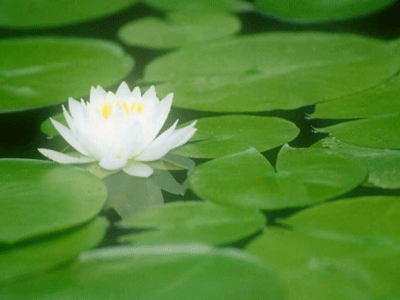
point(139, 169)
point(136, 93)
point(182, 135)
point(67, 134)
point(66, 158)
point(112, 163)
point(75, 108)
point(123, 91)
point(150, 94)
point(132, 141)
point(160, 115)
point(97, 95)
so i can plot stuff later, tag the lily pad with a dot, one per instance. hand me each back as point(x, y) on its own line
point(271, 71)
point(375, 132)
point(383, 99)
point(220, 136)
point(39, 197)
point(383, 164)
point(49, 13)
point(321, 10)
point(36, 72)
point(193, 221)
point(200, 5)
point(160, 272)
point(39, 256)
point(302, 177)
point(179, 29)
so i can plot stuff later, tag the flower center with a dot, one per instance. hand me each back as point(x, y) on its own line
point(107, 108)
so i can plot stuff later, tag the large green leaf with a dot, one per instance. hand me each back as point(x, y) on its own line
point(47, 13)
point(271, 71)
point(219, 136)
point(302, 177)
point(41, 71)
point(39, 197)
point(200, 5)
point(164, 272)
point(179, 29)
point(46, 254)
point(192, 221)
point(381, 100)
point(383, 164)
point(321, 10)
point(375, 132)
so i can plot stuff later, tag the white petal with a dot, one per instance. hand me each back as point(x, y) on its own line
point(66, 158)
point(75, 108)
point(132, 141)
point(158, 118)
point(67, 134)
point(123, 91)
point(97, 95)
point(150, 94)
point(136, 93)
point(182, 135)
point(112, 163)
point(138, 169)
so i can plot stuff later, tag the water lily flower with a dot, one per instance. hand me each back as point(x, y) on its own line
point(119, 130)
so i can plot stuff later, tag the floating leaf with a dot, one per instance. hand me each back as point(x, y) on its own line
point(39, 197)
point(192, 221)
point(44, 71)
point(219, 136)
point(321, 10)
point(161, 272)
point(200, 5)
point(302, 177)
point(375, 132)
point(381, 100)
point(46, 254)
point(271, 71)
point(179, 29)
point(383, 164)
point(48, 13)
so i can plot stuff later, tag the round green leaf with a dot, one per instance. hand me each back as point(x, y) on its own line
point(39, 197)
point(200, 5)
point(219, 136)
point(179, 29)
point(302, 177)
point(192, 221)
point(271, 71)
point(375, 132)
point(374, 220)
point(48, 13)
point(42, 71)
point(383, 164)
point(46, 254)
point(381, 100)
point(162, 272)
point(321, 10)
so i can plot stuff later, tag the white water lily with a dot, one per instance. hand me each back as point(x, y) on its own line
point(119, 130)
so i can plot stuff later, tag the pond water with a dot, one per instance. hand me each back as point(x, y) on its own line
point(289, 188)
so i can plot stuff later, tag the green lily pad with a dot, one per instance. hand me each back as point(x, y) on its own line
point(200, 5)
point(321, 10)
point(39, 197)
point(193, 221)
point(42, 71)
point(48, 13)
point(179, 29)
point(373, 220)
point(375, 132)
point(162, 272)
point(23, 260)
point(381, 100)
point(271, 71)
point(219, 136)
point(302, 177)
point(383, 164)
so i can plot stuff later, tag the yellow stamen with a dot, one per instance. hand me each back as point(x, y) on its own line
point(106, 110)
point(118, 103)
point(139, 108)
point(126, 107)
point(132, 106)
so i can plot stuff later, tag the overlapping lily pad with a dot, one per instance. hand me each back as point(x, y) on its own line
point(179, 29)
point(39, 197)
point(42, 71)
point(375, 132)
point(321, 10)
point(302, 177)
point(48, 13)
point(200, 5)
point(192, 221)
point(219, 136)
point(271, 71)
point(46, 254)
point(162, 272)
point(383, 164)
